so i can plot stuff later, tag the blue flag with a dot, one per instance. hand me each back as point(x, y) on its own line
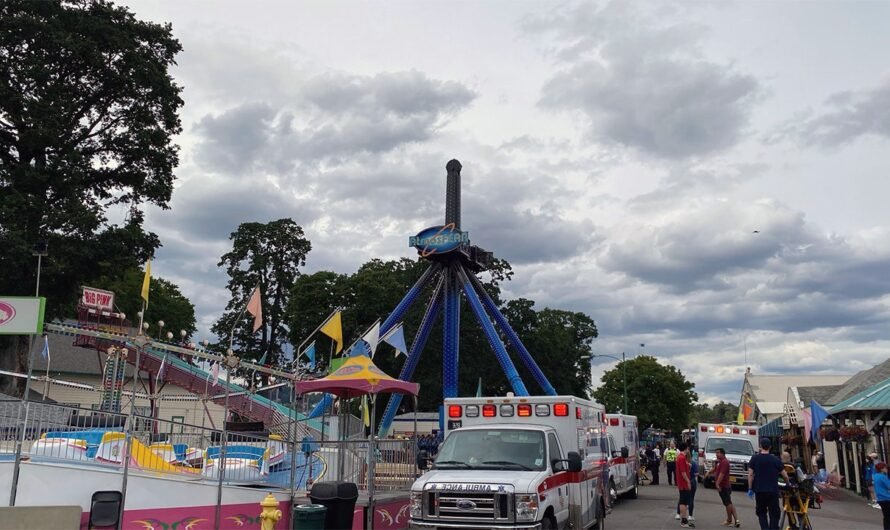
point(819, 415)
point(262, 360)
point(396, 339)
point(310, 354)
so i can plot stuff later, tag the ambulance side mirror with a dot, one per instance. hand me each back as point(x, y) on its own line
point(625, 452)
point(574, 460)
point(423, 460)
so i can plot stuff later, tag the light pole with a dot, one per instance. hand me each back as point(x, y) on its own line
point(623, 360)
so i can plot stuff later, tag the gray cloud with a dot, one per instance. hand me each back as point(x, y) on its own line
point(848, 116)
point(642, 84)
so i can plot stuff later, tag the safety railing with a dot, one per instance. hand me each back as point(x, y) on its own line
point(96, 438)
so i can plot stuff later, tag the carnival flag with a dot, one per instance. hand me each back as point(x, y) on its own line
point(310, 354)
point(366, 417)
point(45, 352)
point(255, 308)
point(333, 328)
point(146, 280)
point(372, 337)
point(396, 339)
point(819, 415)
point(215, 373)
point(262, 360)
point(479, 388)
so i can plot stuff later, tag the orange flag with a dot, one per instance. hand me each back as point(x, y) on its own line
point(255, 308)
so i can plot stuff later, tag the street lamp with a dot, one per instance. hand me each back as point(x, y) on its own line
point(623, 360)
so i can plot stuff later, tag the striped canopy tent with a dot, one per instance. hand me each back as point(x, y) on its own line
point(358, 376)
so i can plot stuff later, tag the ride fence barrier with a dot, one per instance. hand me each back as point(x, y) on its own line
point(91, 437)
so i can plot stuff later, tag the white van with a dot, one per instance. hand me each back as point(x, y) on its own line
point(624, 455)
point(517, 463)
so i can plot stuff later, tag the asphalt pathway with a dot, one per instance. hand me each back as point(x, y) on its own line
point(655, 507)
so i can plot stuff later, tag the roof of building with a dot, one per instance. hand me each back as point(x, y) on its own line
point(65, 358)
point(862, 381)
point(774, 388)
point(821, 394)
point(421, 416)
point(771, 407)
point(876, 397)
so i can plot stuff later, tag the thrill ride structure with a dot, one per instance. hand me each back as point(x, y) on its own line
point(454, 263)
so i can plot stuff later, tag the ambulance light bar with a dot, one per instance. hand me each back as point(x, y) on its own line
point(506, 411)
point(720, 429)
point(542, 410)
point(472, 411)
point(613, 422)
point(454, 411)
point(560, 409)
point(489, 411)
point(523, 410)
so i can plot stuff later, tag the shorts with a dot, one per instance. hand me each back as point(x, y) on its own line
point(726, 496)
point(685, 497)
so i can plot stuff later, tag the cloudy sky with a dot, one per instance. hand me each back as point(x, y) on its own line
point(704, 178)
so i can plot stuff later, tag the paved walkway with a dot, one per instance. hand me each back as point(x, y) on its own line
point(655, 507)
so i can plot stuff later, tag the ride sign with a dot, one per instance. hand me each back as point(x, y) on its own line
point(438, 240)
point(97, 298)
point(21, 315)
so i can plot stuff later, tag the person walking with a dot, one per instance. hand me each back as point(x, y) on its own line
point(882, 492)
point(655, 464)
point(763, 485)
point(869, 477)
point(684, 485)
point(670, 458)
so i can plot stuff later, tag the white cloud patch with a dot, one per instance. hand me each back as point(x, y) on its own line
point(641, 82)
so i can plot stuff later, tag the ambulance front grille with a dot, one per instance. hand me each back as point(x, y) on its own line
point(468, 506)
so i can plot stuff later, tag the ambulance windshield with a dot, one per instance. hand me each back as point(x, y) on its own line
point(513, 449)
point(732, 446)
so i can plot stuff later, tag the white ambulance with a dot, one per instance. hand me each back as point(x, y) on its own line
point(515, 463)
point(740, 443)
point(624, 451)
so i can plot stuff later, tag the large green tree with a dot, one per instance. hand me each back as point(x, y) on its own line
point(88, 112)
point(166, 302)
point(268, 255)
point(658, 394)
point(721, 412)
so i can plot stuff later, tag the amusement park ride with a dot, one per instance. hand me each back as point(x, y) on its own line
point(454, 263)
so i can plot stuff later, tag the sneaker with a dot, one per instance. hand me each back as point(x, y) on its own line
point(677, 516)
point(691, 519)
point(738, 524)
point(687, 525)
point(876, 505)
point(726, 523)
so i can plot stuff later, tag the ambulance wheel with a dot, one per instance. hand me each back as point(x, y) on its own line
point(600, 517)
point(632, 494)
point(547, 523)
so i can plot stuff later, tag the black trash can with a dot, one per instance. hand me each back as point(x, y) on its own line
point(339, 498)
point(309, 517)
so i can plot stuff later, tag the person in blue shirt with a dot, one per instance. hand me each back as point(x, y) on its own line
point(764, 470)
point(882, 491)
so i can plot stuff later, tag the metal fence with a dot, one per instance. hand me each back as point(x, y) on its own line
point(95, 438)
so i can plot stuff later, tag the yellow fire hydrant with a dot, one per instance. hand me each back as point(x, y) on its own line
point(271, 514)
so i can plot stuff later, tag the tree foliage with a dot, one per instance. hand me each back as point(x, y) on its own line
point(269, 255)
point(166, 302)
point(658, 394)
point(721, 412)
point(88, 112)
point(556, 338)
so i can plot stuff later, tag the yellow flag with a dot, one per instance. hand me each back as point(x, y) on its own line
point(333, 328)
point(366, 417)
point(146, 280)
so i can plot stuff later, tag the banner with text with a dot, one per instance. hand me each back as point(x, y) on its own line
point(97, 298)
